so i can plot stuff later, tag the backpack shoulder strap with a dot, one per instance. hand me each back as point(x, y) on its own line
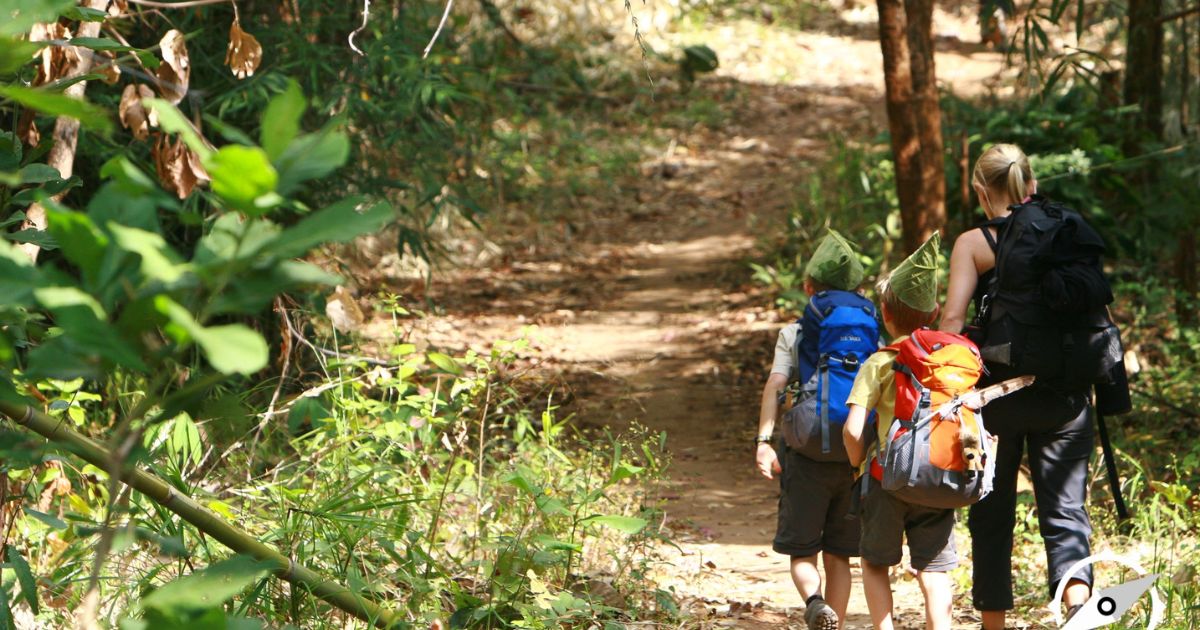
point(812, 307)
point(997, 223)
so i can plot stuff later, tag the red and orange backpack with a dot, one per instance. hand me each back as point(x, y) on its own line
point(941, 458)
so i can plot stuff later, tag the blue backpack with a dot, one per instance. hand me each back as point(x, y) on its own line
point(846, 330)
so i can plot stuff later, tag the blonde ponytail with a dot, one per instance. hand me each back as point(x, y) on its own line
point(1004, 168)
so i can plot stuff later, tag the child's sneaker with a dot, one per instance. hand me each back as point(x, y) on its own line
point(820, 616)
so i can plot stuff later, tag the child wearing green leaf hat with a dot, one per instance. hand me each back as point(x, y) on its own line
point(909, 300)
point(815, 496)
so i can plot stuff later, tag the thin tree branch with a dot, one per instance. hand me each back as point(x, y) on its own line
point(441, 25)
point(497, 20)
point(178, 5)
point(61, 156)
point(366, 15)
point(1180, 14)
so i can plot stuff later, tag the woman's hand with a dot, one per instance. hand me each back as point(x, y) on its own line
point(768, 461)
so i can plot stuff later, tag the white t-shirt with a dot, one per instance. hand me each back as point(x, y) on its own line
point(785, 351)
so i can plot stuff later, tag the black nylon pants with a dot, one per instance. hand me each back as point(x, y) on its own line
point(1058, 460)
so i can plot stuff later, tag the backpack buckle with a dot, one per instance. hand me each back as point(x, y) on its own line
point(850, 360)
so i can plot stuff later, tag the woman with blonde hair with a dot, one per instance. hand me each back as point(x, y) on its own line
point(1052, 426)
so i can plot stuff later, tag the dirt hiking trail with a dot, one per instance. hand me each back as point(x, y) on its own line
point(650, 315)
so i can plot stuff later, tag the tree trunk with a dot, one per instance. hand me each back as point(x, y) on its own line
point(1144, 65)
point(1188, 275)
point(66, 130)
point(914, 116)
point(1185, 257)
point(902, 123)
point(931, 212)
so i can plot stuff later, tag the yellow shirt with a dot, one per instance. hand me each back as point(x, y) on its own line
point(875, 388)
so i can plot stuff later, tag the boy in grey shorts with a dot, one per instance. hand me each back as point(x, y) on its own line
point(908, 297)
point(815, 497)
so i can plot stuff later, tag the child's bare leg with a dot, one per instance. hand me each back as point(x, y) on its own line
point(939, 599)
point(993, 619)
point(805, 576)
point(878, 588)
point(837, 584)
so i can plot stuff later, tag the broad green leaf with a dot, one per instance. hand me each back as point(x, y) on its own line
point(252, 292)
point(52, 522)
point(21, 15)
point(233, 238)
point(121, 170)
point(207, 588)
point(39, 174)
point(445, 363)
point(228, 131)
point(230, 349)
point(518, 479)
point(184, 441)
point(100, 43)
point(549, 505)
point(10, 149)
point(242, 623)
point(56, 298)
point(622, 471)
point(338, 223)
point(85, 325)
point(549, 543)
point(159, 261)
point(629, 525)
point(82, 242)
point(85, 14)
point(281, 121)
point(40, 238)
point(307, 410)
point(312, 156)
point(57, 104)
point(16, 53)
point(46, 192)
point(403, 349)
point(244, 178)
point(234, 349)
point(172, 121)
point(6, 618)
point(24, 577)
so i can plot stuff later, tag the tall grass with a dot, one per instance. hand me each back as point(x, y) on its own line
point(435, 484)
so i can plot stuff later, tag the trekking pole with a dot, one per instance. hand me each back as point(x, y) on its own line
point(202, 518)
point(1110, 464)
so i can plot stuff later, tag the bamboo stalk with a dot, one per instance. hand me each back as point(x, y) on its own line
point(204, 519)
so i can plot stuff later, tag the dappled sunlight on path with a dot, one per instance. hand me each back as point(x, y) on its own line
point(646, 309)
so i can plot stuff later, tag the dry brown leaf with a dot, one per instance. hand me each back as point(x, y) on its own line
point(59, 486)
point(118, 8)
point(107, 67)
point(344, 313)
point(178, 168)
point(134, 116)
point(176, 69)
point(244, 54)
point(53, 61)
point(27, 129)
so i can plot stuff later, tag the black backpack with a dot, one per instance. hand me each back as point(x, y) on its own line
point(1045, 312)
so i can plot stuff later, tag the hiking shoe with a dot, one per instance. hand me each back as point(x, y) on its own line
point(819, 616)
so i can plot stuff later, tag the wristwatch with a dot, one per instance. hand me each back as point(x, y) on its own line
point(763, 439)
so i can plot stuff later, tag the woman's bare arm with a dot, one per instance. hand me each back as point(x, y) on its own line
point(964, 277)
